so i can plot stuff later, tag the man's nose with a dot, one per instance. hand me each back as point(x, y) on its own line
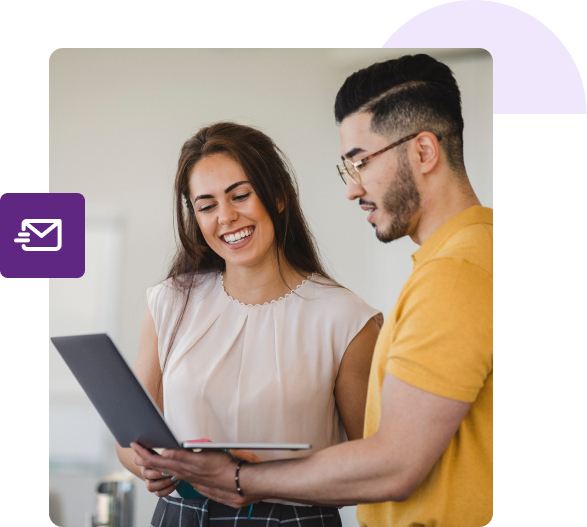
point(354, 190)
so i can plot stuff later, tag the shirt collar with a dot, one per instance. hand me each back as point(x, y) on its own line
point(463, 219)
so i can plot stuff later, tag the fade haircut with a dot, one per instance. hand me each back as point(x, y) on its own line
point(409, 95)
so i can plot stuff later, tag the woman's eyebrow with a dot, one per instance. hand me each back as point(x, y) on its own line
point(226, 191)
point(233, 186)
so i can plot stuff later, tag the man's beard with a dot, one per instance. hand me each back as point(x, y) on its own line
point(402, 199)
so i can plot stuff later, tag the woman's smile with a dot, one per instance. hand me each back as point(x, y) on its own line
point(239, 238)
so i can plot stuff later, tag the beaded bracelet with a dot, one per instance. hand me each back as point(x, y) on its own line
point(238, 486)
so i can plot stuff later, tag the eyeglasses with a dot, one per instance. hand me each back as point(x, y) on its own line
point(350, 169)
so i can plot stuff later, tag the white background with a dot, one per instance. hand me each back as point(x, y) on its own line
point(135, 108)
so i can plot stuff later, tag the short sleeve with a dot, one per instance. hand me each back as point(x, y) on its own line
point(152, 303)
point(442, 340)
point(158, 298)
point(347, 315)
point(162, 300)
point(328, 313)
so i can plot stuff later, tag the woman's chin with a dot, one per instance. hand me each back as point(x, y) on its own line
point(248, 258)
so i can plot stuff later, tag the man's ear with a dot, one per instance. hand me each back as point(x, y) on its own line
point(428, 151)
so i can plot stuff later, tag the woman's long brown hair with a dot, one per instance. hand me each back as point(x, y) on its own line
point(272, 179)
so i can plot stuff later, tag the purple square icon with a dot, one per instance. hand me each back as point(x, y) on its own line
point(42, 235)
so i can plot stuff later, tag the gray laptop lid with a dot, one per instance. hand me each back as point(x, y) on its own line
point(122, 402)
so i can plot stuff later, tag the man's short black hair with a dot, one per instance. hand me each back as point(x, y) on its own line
point(411, 94)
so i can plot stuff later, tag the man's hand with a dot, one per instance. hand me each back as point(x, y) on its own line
point(232, 499)
point(210, 473)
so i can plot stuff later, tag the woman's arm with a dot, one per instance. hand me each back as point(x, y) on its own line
point(350, 389)
point(148, 371)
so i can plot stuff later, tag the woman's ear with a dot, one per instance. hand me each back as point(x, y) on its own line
point(280, 205)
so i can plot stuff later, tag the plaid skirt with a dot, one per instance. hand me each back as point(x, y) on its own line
point(201, 512)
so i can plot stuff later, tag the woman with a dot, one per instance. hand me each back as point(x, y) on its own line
point(248, 339)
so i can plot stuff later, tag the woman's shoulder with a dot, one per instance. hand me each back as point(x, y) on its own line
point(336, 310)
point(334, 295)
point(175, 288)
point(327, 288)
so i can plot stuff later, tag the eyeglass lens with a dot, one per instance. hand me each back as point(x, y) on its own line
point(352, 171)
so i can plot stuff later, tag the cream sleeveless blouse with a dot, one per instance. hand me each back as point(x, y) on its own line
point(256, 373)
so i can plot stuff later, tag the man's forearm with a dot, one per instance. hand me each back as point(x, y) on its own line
point(346, 474)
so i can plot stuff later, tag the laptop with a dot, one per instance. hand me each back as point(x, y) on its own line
point(124, 404)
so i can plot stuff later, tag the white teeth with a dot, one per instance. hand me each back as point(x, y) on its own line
point(239, 236)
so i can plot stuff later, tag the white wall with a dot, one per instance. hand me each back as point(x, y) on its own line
point(117, 121)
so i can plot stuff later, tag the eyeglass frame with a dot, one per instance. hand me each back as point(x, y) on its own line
point(343, 167)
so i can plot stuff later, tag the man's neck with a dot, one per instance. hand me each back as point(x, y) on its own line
point(446, 198)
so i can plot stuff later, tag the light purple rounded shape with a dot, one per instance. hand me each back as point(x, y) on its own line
point(532, 70)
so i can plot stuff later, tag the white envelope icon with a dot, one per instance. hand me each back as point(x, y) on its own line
point(24, 237)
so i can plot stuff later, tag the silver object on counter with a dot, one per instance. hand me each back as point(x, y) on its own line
point(115, 501)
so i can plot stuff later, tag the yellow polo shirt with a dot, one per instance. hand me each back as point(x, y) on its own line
point(439, 338)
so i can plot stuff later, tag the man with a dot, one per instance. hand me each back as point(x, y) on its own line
point(426, 459)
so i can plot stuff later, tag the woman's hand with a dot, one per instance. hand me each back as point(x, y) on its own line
point(160, 484)
point(245, 455)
